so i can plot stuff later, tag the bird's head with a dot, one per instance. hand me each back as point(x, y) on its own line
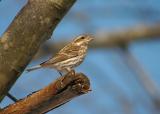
point(83, 39)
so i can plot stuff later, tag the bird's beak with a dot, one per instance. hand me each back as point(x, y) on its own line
point(90, 38)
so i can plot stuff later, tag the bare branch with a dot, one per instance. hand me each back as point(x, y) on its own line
point(58, 92)
point(111, 39)
point(143, 76)
point(31, 27)
point(125, 36)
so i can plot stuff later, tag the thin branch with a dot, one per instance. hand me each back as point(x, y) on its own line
point(32, 26)
point(55, 94)
point(111, 39)
point(128, 35)
point(143, 76)
point(14, 99)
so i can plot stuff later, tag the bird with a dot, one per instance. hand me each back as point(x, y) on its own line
point(69, 57)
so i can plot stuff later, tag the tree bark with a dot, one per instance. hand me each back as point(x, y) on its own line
point(52, 96)
point(32, 26)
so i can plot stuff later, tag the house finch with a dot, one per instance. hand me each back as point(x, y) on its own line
point(68, 57)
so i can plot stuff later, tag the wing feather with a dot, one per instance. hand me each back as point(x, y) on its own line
point(66, 53)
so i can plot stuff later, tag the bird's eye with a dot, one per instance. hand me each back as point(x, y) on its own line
point(82, 37)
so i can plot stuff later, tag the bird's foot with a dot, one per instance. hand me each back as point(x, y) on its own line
point(73, 72)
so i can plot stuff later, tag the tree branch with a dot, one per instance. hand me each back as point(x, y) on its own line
point(128, 35)
point(57, 93)
point(111, 39)
point(143, 76)
point(32, 26)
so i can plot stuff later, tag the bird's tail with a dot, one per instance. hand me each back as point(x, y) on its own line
point(34, 68)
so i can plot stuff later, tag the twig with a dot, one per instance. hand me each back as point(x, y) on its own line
point(58, 92)
point(12, 97)
point(32, 26)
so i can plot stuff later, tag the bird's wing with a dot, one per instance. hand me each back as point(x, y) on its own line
point(70, 48)
point(57, 58)
point(71, 51)
point(64, 54)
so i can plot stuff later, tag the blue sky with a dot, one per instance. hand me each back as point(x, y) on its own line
point(112, 81)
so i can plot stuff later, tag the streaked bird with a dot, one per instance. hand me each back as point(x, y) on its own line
point(68, 57)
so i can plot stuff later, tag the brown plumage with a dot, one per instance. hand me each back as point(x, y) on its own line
point(68, 57)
